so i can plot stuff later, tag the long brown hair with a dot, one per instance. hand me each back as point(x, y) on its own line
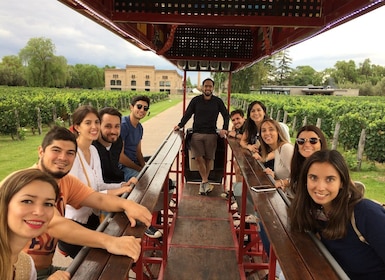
point(303, 210)
point(265, 148)
point(8, 188)
point(298, 160)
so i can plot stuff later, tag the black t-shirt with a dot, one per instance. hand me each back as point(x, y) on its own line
point(110, 161)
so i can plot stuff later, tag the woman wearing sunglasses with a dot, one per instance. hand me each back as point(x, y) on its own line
point(309, 140)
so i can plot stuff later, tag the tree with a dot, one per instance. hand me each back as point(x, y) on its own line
point(283, 70)
point(86, 76)
point(345, 72)
point(11, 71)
point(305, 75)
point(220, 79)
point(43, 68)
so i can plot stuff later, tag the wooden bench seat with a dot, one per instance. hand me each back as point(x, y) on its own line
point(300, 257)
point(93, 263)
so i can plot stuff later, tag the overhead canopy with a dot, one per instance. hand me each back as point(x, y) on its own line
point(219, 35)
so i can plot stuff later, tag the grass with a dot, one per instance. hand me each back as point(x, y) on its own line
point(15, 155)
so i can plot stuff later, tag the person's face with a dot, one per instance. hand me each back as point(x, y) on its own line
point(89, 128)
point(307, 149)
point(269, 134)
point(208, 88)
point(139, 110)
point(110, 128)
point(257, 114)
point(57, 159)
point(30, 210)
point(237, 121)
point(323, 184)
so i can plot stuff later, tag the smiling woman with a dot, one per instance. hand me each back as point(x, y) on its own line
point(27, 201)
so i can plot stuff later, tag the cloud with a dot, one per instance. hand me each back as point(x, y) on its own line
point(80, 40)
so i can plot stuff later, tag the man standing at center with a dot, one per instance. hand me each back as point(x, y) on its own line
point(205, 108)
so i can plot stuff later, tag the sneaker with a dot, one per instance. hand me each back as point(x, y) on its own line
point(208, 188)
point(152, 232)
point(202, 189)
point(251, 219)
point(225, 195)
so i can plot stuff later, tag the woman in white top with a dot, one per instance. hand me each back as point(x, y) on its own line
point(87, 168)
point(274, 142)
point(27, 203)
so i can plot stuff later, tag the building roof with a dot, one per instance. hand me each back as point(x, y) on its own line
point(224, 35)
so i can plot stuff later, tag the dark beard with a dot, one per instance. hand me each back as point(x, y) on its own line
point(56, 175)
point(106, 140)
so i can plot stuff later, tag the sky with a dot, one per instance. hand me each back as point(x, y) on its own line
point(82, 41)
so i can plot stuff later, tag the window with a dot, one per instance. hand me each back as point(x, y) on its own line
point(112, 82)
point(147, 77)
point(164, 77)
point(161, 83)
point(118, 82)
point(133, 77)
point(147, 83)
point(168, 84)
point(133, 83)
point(147, 89)
point(133, 89)
point(115, 76)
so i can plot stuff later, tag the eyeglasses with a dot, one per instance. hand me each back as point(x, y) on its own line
point(140, 106)
point(312, 140)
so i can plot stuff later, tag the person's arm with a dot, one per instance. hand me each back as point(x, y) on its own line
point(225, 115)
point(126, 161)
point(139, 154)
point(71, 232)
point(187, 115)
point(111, 203)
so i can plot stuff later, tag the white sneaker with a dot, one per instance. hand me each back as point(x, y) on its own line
point(208, 188)
point(202, 190)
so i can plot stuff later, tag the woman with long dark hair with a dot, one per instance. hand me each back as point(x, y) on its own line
point(325, 203)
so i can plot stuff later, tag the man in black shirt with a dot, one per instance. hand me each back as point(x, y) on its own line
point(109, 146)
point(205, 108)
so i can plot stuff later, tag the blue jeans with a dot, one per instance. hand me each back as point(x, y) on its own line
point(128, 172)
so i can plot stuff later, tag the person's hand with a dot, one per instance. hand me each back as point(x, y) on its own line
point(125, 246)
point(268, 171)
point(176, 128)
point(232, 133)
point(135, 211)
point(252, 148)
point(257, 156)
point(126, 188)
point(222, 133)
point(132, 181)
point(60, 275)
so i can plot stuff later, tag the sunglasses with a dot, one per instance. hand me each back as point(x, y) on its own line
point(312, 140)
point(140, 106)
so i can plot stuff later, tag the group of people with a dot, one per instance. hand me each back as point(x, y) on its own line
point(80, 172)
point(324, 199)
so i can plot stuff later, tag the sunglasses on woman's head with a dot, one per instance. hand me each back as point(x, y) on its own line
point(312, 140)
point(140, 106)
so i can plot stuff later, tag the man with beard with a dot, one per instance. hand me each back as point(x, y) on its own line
point(205, 108)
point(109, 146)
point(56, 156)
point(131, 158)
